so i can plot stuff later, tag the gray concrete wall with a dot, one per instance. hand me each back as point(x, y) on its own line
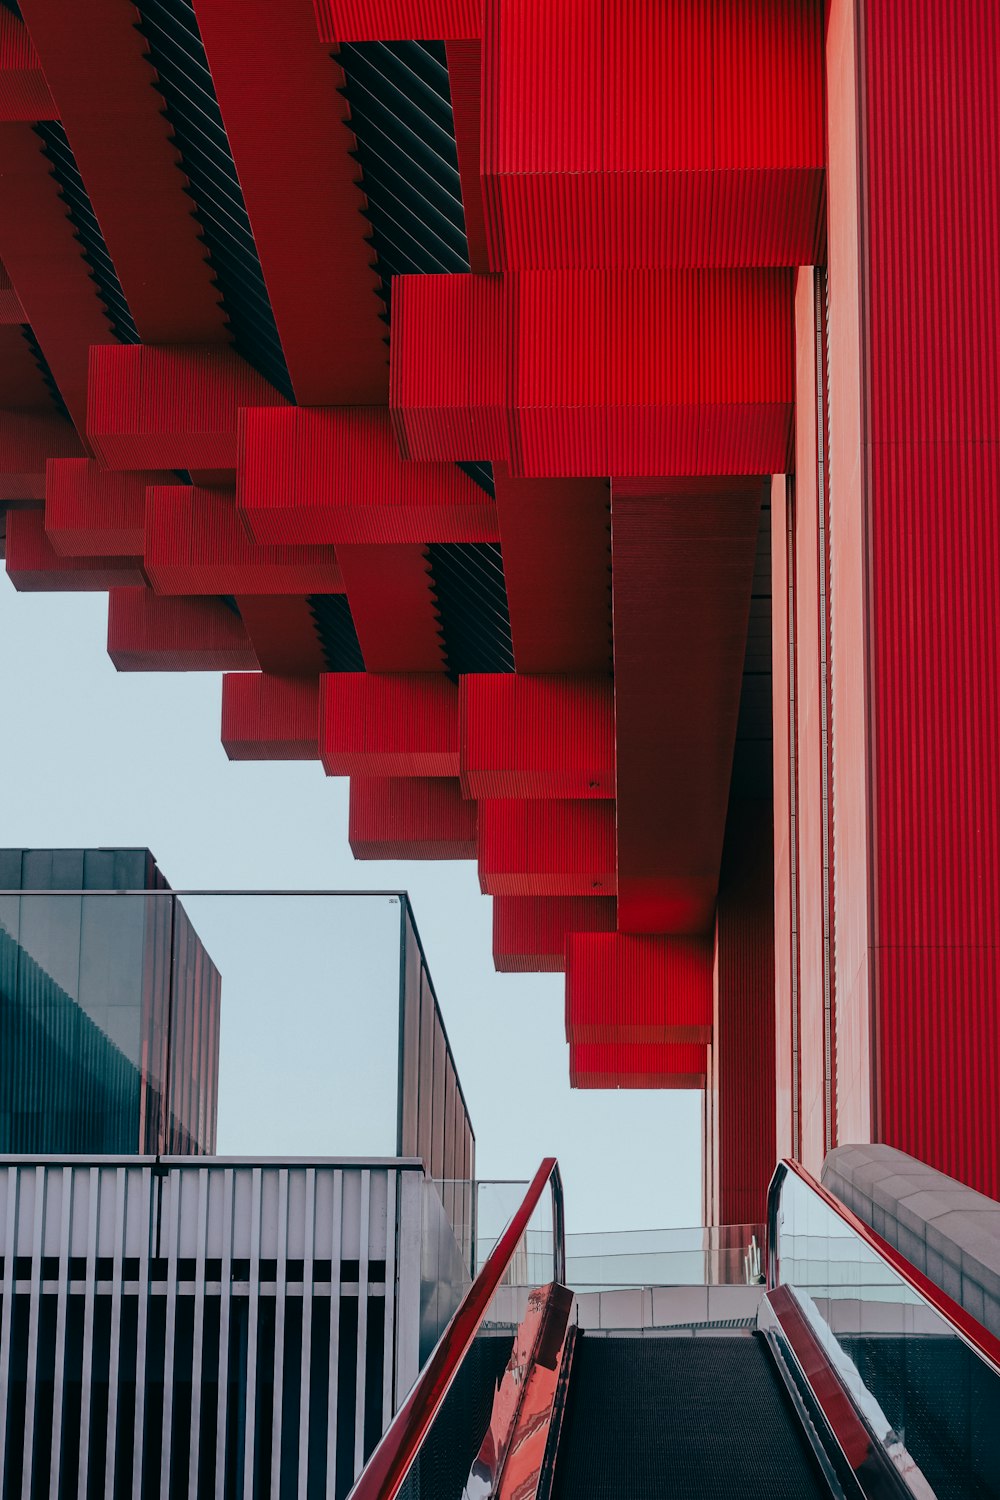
point(945, 1229)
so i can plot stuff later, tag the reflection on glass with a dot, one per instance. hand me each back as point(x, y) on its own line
point(929, 1399)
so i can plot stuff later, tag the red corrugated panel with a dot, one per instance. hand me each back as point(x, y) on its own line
point(282, 631)
point(396, 20)
point(465, 85)
point(683, 569)
point(95, 62)
point(448, 367)
point(24, 94)
point(556, 540)
point(33, 566)
point(28, 440)
point(150, 634)
point(535, 848)
point(44, 260)
point(536, 736)
point(411, 817)
point(303, 194)
point(170, 407)
point(393, 608)
point(89, 509)
point(529, 932)
point(270, 718)
point(640, 135)
point(744, 1017)
point(638, 989)
point(11, 311)
point(388, 725)
point(335, 475)
point(598, 372)
point(624, 1066)
point(196, 544)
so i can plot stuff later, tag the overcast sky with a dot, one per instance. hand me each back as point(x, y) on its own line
point(90, 756)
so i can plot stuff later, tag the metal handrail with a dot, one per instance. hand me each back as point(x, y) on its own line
point(383, 1476)
point(983, 1343)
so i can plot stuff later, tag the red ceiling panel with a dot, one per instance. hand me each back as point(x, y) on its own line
point(536, 736)
point(270, 718)
point(374, 726)
point(410, 817)
point(538, 848)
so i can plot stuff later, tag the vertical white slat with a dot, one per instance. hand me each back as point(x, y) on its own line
point(34, 1311)
point(279, 1332)
point(89, 1297)
point(363, 1258)
point(62, 1301)
point(141, 1332)
point(305, 1370)
point(336, 1255)
point(198, 1333)
point(252, 1318)
point(170, 1330)
point(114, 1357)
point(411, 1190)
point(388, 1342)
point(9, 1253)
point(225, 1300)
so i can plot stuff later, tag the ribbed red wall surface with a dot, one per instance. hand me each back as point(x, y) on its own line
point(196, 544)
point(627, 1066)
point(410, 818)
point(393, 607)
point(335, 474)
point(577, 373)
point(638, 989)
point(536, 848)
point(150, 634)
point(529, 932)
point(388, 725)
point(91, 510)
point(743, 1049)
point(785, 893)
point(270, 718)
point(34, 566)
point(159, 407)
point(525, 736)
point(678, 134)
point(933, 179)
point(396, 20)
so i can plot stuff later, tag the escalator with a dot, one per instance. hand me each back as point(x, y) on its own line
point(860, 1379)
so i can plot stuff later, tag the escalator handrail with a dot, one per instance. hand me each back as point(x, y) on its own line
point(962, 1323)
point(384, 1474)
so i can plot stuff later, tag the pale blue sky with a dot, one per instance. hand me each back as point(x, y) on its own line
point(90, 756)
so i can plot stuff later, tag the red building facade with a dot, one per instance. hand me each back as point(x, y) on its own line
point(580, 425)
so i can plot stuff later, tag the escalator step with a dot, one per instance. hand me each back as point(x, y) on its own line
point(698, 1417)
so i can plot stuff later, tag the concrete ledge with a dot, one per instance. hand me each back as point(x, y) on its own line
point(947, 1230)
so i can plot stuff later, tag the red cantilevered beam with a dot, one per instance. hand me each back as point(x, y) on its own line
point(33, 565)
point(393, 608)
point(549, 737)
point(645, 990)
point(27, 441)
point(530, 932)
point(95, 63)
point(624, 1065)
point(90, 510)
point(411, 817)
point(45, 263)
point(24, 93)
point(683, 567)
point(195, 544)
point(397, 20)
point(270, 718)
point(388, 725)
point(283, 634)
point(278, 89)
point(539, 848)
point(150, 634)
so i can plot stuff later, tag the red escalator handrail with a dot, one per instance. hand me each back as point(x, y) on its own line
point(383, 1475)
point(967, 1328)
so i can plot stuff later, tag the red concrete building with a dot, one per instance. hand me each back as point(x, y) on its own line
point(579, 424)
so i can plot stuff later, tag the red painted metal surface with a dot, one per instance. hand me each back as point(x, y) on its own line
point(628, 1065)
point(283, 634)
point(536, 736)
point(90, 510)
point(335, 475)
point(34, 566)
point(27, 441)
point(411, 817)
point(533, 847)
point(393, 607)
point(638, 989)
point(402, 724)
point(530, 932)
point(270, 718)
point(396, 20)
point(24, 93)
point(786, 1001)
point(150, 634)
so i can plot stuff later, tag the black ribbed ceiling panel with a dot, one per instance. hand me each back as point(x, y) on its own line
point(337, 635)
point(81, 212)
point(468, 583)
point(178, 55)
point(28, 334)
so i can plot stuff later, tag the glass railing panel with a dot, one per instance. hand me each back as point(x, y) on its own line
point(929, 1398)
point(661, 1257)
